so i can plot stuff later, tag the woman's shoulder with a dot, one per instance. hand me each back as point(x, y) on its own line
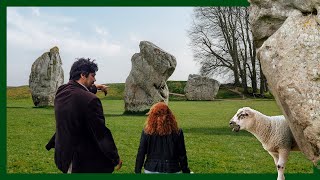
point(144, 133)
point(176, 133)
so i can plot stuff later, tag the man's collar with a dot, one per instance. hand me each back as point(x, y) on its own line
point(83, 86)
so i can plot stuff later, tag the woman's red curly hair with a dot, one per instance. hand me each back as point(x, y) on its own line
point(160, 120)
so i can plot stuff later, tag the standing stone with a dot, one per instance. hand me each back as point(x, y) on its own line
point(201, 88)
point(267, 16)
point(146, 83)
point(45, 78)
point(290, 60)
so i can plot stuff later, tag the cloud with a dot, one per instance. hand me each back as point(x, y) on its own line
point(135, 38)
point(101, 31)
point(34, 36)
point(35, 11)
point(33, 31)
point(26, 32)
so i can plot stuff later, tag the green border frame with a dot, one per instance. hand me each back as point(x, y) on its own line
point(3, 54)
point(3, 85)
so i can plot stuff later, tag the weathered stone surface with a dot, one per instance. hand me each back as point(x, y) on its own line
point(290, 59)
point(146, 83)
point(266, 16)
point(45, 78)
point(201, 88)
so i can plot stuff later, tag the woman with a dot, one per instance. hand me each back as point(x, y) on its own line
point(162, 143)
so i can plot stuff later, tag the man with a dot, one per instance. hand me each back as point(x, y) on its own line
point(82, 142)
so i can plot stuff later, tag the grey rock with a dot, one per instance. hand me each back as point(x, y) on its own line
point(290, 59)
point(146, 83)
point(201, 88)
point(45, 78)
point(266, 16)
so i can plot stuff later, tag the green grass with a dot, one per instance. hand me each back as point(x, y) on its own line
point(116, 92)
point(211, 145)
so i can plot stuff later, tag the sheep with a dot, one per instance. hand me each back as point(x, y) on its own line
point(272, 131)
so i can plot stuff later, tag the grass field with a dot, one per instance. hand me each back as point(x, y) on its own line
point(211, 145)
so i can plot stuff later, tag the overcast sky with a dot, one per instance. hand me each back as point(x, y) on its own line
point(111, 35)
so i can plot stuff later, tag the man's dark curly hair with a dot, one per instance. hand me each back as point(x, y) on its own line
point(82, 66)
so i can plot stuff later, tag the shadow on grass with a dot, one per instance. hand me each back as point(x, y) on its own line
point(124, 115)
point(216, 131)
point(18, 107)
point(43, 107)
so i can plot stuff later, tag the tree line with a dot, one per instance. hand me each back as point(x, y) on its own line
point(222, 42)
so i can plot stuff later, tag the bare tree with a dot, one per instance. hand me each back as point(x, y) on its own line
point(212, 38)
point(247, 49)
point(221, 40)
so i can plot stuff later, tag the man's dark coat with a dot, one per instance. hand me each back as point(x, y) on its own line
point(81, 135)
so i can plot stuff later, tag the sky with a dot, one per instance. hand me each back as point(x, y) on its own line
point(110, 35)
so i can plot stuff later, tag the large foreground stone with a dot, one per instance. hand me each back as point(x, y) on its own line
point(201, 88)
point(290, 60)
point(267, 16)
point(146, 83)
point(45, 78)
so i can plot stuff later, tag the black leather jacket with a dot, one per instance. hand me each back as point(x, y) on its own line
point(166, 154)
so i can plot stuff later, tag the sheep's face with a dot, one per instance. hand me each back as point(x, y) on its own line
point(242, 120)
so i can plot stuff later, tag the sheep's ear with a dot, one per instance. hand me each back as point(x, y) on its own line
point(247, 112)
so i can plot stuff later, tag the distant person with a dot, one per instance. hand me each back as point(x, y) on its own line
point(162, 143)
point(82, 142)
